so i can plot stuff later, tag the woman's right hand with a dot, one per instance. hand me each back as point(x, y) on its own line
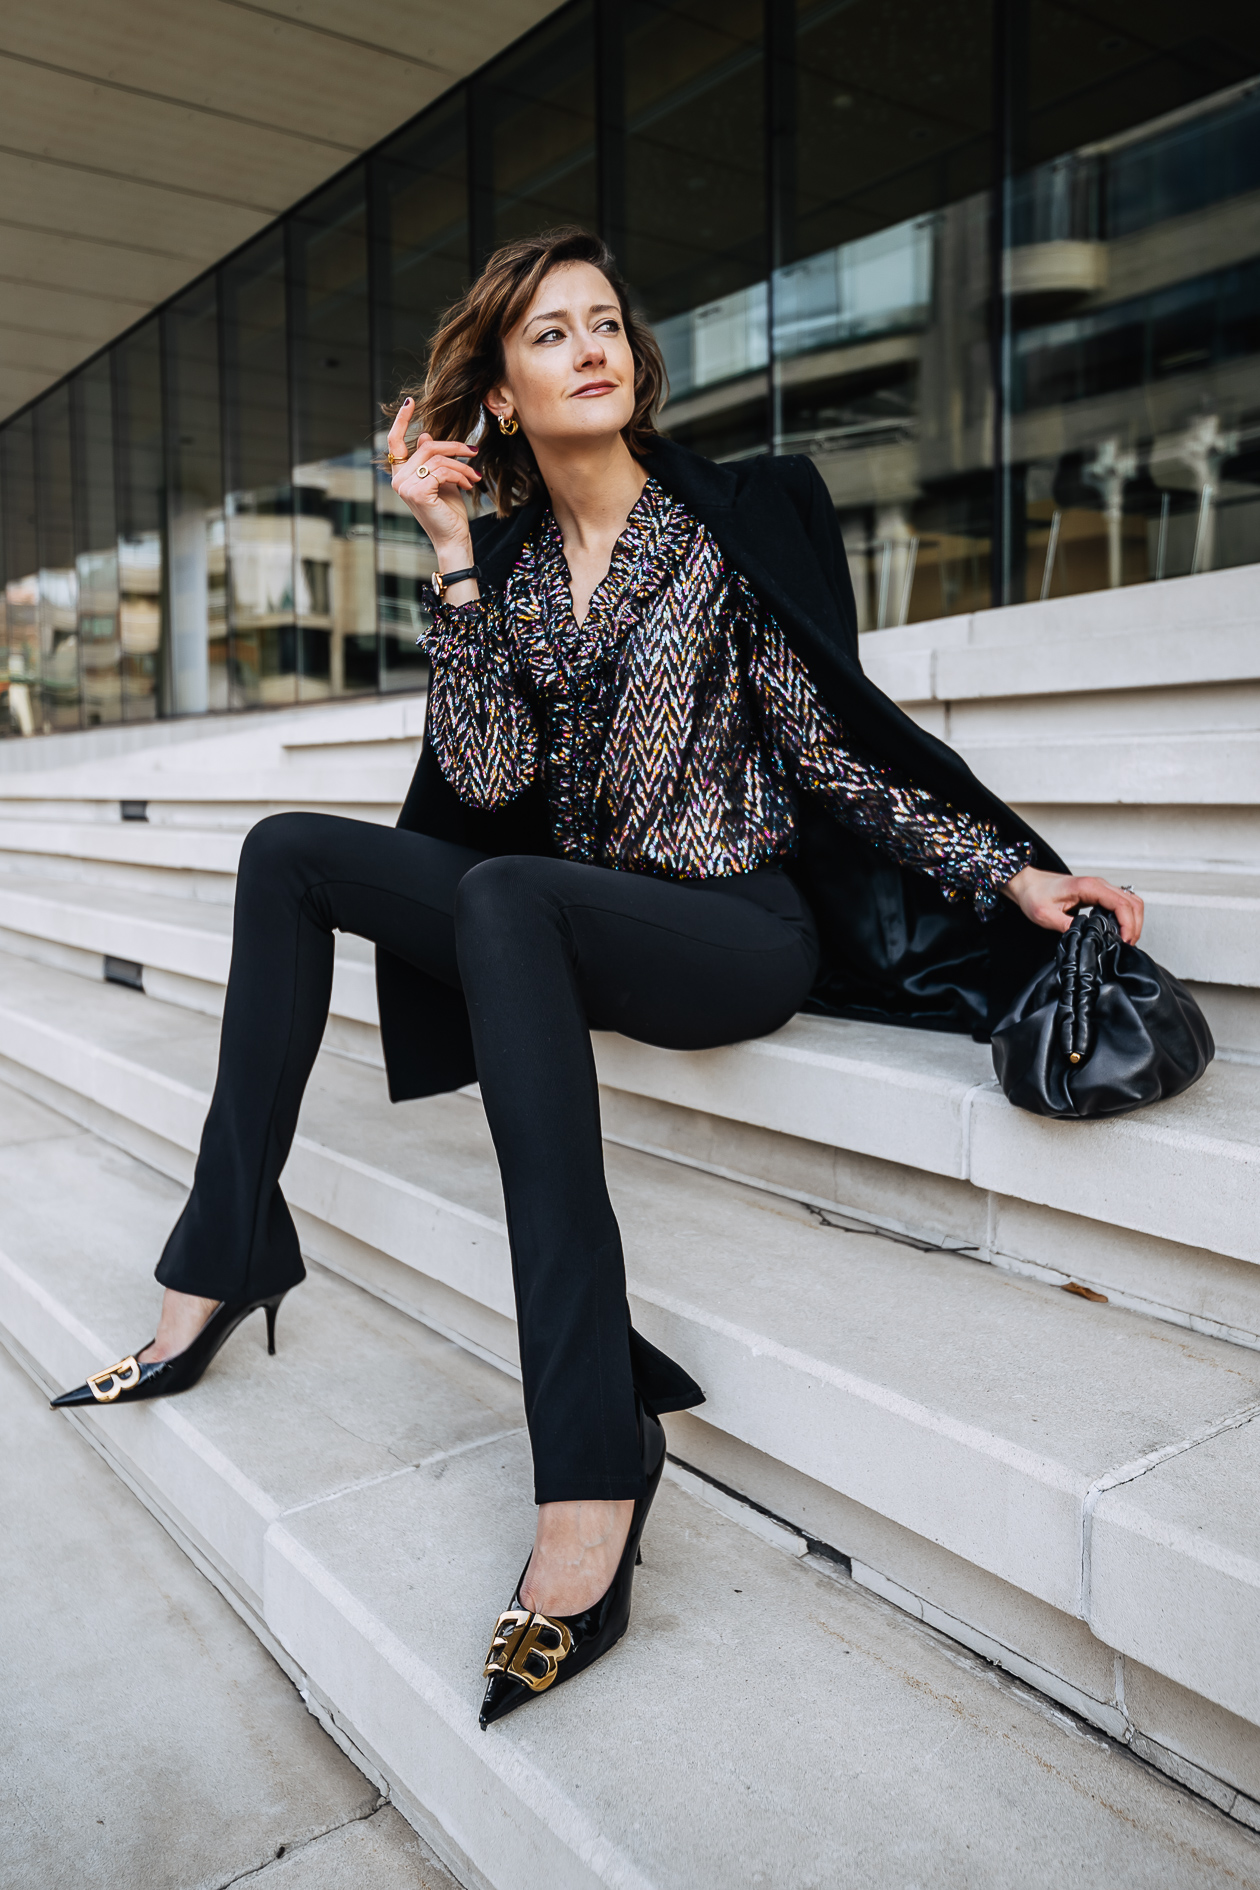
point(431, 483)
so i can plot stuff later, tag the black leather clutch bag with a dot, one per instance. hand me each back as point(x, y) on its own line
point(1101, 1031)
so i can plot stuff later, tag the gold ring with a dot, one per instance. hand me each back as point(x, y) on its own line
point(422, 472)
point(394, 460)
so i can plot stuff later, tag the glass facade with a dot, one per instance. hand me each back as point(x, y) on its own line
point(994, 264)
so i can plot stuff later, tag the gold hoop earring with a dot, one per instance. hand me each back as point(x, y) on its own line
point(508, 425)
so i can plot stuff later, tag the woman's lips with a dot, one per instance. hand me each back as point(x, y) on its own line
point(595, 387)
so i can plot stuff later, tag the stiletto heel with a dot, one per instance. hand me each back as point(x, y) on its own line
point(128, 1382)
point(531, 1652)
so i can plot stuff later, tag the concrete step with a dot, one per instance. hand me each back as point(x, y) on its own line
point(874, 1383)
point(182, 861)
point(1205, 926)
point(345, 749)
point(1147, 698)
point(1123, 725)
point(1184, 765)
point(1201, 768)
point(359, 754)
point(1201, 923)
point(226, 795)
point(108, 1624)
point(1183, 633)
point(914, 1102)
point(260, 732)
point(904, 1129)
point(1170, 806)
point(182, 947)
point(265, 790)
point(363, 1500)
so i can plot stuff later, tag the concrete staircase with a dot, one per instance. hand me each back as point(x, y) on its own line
point(845, 1232)
point(362, 1500)
point(1126, 727)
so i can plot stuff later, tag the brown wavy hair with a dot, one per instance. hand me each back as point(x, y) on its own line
point(466, 360)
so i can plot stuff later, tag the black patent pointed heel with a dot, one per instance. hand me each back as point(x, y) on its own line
point(130, 1382)
point(531, 1653)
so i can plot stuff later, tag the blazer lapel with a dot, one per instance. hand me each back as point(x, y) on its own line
point(707, 490)
point(757, 530)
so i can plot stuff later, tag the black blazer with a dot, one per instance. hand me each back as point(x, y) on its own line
point(893, 948)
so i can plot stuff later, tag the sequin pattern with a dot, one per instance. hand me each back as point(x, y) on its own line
point(674, 727)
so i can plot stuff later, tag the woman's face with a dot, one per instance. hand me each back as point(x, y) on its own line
point(570, 372)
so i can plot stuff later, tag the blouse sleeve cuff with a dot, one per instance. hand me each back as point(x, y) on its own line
point(457, 628)
point(995, 868)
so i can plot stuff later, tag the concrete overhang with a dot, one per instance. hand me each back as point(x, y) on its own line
point(142, 140)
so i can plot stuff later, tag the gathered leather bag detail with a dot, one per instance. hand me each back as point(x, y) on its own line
point(1102, 1031)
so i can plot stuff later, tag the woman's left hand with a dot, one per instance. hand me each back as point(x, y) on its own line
point(1050, 899)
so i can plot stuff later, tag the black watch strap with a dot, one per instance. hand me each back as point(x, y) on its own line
point(442, 580)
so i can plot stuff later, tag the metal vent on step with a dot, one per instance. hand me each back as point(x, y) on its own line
point(123, 971)
point(134, 810)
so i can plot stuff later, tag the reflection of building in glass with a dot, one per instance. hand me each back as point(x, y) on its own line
point(878, 285)
point(1024, 355)
point(1133, 283)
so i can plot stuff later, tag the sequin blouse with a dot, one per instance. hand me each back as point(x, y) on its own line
point(674, 728)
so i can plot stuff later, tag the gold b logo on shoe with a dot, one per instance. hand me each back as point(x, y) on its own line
point(518, 1640)
point(106, 1386)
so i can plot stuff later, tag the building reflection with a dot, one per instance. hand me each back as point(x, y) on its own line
point(1025, 356)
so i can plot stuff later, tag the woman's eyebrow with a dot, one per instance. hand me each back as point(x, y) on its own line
point(560, 314)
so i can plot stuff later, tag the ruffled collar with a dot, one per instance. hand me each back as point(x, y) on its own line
point(638, 547)
point(644, 557)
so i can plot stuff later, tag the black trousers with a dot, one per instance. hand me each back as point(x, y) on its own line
point(545, 950)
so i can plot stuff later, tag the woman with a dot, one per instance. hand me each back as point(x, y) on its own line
point(657, 795)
